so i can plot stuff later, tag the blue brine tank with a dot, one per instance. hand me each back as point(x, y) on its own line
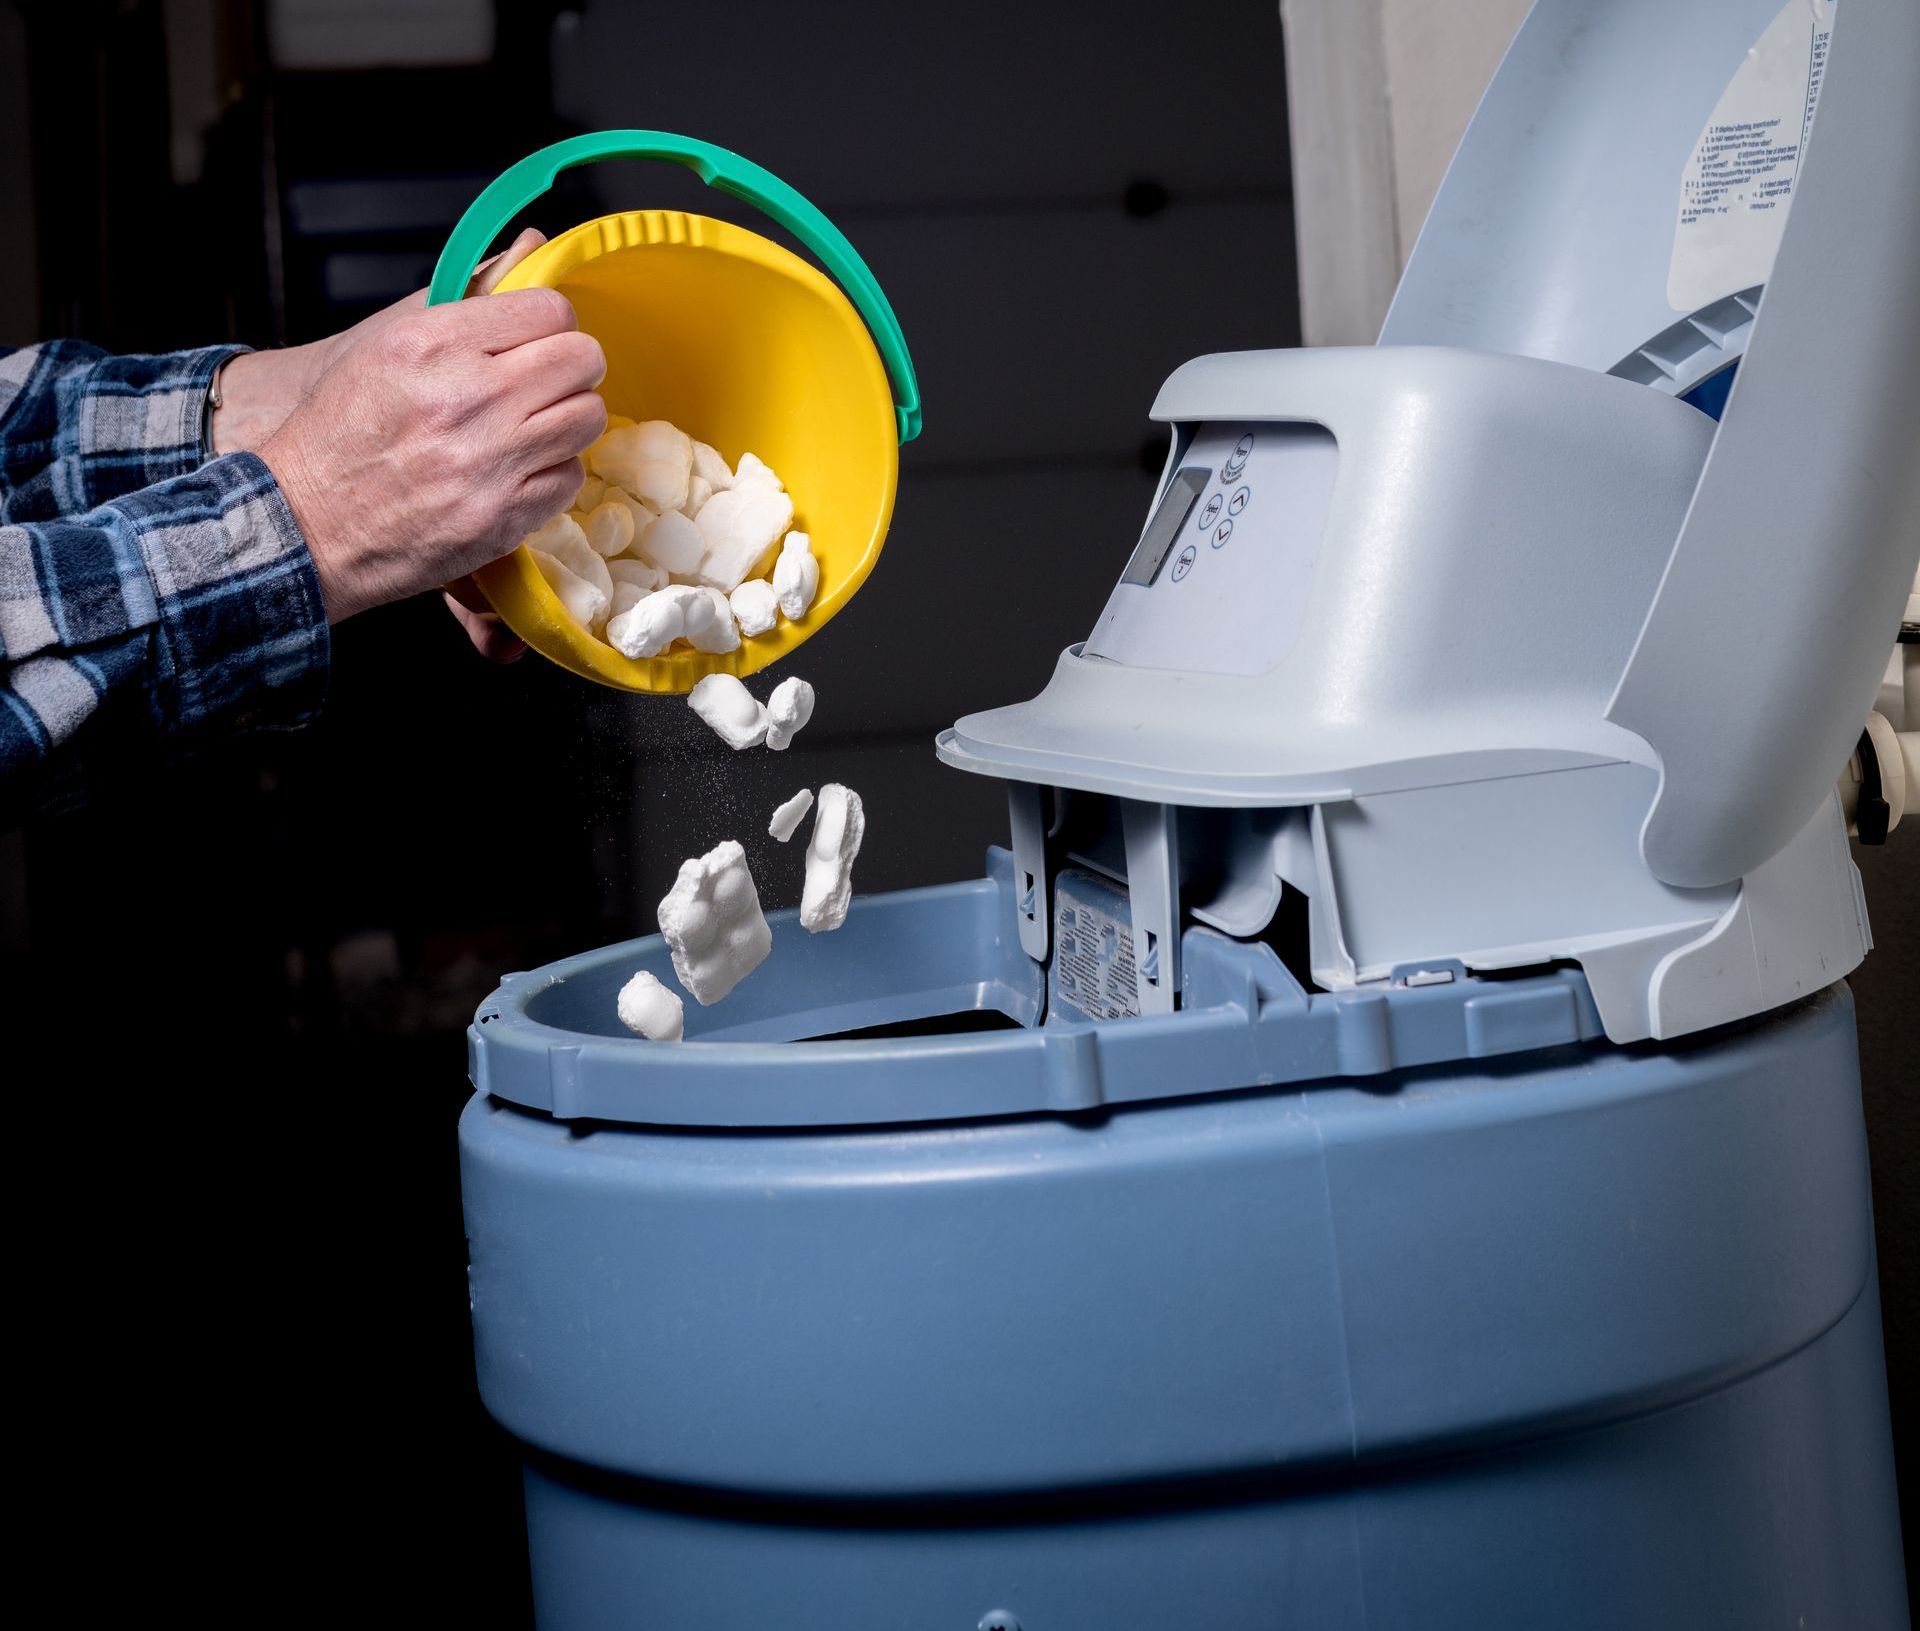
point(1381, 1148)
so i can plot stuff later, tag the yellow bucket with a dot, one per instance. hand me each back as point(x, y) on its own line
point(740, 343)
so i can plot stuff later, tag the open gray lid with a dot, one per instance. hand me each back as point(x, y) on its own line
point(1577, 212)
point(1620, 196)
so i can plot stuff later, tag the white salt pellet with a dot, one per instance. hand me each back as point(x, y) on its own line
point(839, 824)
point(699, 490)
point(626, 596)
point(648, 628)
point(754, 607)
point(731, 709)
point(566, 543)
point(644, 515)
point(584, 602)
point(796, 576)
point(641, 574)
point(648, 1007)
point(751, 472)
point(711, 468)
point(788, 710)
point(553, 532)
point(609, 527)
point(652, 460)
point(710, 624)
point(712, 923)
point(740, 529)
point(592, 491)
point(786, 820)
point(673, 542)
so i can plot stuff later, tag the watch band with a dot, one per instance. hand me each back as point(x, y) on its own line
point(213, 401)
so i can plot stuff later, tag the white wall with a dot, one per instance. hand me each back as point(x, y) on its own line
point(1379, 92)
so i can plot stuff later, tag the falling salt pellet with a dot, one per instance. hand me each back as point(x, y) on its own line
point(641, 574)
point(786, 820)
point(673, 543)
point(788, 710)
point(649, 1008)
point(592, 491)
point(711, 468)
point(754, 607)
point(740, 529)
point(753, 473)
point(839, 824)
point(710, 624)
point(699, 490)
point(796, 576)
point(584, 603)
point(712, 923)
point(648, 628)
point(609, 528)
point(652, 460)
point(733, 712)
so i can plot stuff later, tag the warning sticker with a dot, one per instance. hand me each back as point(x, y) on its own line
point(1737, 184)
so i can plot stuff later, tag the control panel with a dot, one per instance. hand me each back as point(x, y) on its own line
point(1218, 581)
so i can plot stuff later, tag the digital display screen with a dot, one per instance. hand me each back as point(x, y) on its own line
point(1177, 504)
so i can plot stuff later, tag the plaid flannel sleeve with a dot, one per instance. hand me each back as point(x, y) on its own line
point(151, 601)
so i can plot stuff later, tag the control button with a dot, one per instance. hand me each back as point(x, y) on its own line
point(1242, 497)
point(1237, 460)
point(1184, 564)
point(1222, 533)
point(1210, 512)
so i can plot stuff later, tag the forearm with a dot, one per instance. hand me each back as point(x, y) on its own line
point(151, 627)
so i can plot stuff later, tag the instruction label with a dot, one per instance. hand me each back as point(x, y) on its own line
point(1092, 950)
point(1739, 180)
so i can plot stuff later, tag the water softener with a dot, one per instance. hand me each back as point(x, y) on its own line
point(1414, 1175)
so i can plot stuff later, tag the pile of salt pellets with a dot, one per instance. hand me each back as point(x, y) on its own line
point(711, 918)
point(665, 543)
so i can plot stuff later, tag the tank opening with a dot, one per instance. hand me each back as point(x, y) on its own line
point(970, 1023)
point(1526, 971)
point(1288, 937)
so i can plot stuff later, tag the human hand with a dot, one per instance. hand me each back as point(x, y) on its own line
point(434, 441)
point(258, 389)
point(473, 612)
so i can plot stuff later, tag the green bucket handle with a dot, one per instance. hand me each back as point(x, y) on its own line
point(515, 188)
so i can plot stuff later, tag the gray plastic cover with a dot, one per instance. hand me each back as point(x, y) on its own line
point(1554, 235)
point(1496, 531)
point(1553, 231)
point(1763, 652)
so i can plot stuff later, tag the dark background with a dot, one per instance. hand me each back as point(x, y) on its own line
point(234, 1055)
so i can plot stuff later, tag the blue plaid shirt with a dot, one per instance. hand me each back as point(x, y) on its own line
point(153, 600)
